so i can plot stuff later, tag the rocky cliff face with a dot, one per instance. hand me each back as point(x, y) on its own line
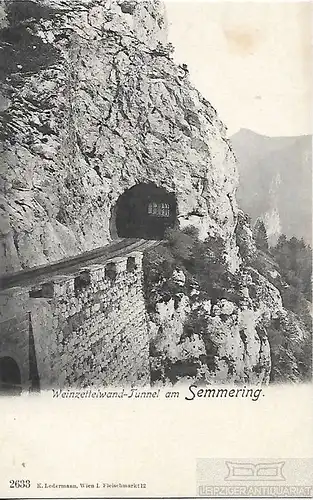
point(212, 326)
point(92, 104)
point(206, 324)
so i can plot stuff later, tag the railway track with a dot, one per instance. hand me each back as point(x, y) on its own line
point(72, 265)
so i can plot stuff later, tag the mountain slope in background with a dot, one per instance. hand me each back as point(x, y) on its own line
point(276, 182)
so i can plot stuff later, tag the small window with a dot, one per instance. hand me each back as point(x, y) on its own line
point(159, 209)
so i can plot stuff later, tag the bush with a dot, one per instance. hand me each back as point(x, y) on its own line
point(22, 10)
point(202, 263)
point(291, 356)
point(294, 258)
point(23, 51)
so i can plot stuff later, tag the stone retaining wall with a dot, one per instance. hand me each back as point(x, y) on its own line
point(89, 329)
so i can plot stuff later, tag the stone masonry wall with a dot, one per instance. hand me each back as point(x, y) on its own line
point(14, 334)
point(90, 328)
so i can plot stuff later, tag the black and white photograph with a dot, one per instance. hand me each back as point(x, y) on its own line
point(156, 249)
point(155, 194)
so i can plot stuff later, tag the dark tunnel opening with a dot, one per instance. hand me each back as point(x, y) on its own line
point(145, 211)
point(10, 377)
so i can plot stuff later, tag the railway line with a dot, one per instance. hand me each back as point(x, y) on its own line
point(117, 248)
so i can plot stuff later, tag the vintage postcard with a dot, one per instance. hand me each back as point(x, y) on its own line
point(156, 249)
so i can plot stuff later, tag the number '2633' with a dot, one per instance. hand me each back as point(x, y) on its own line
point(19, 483)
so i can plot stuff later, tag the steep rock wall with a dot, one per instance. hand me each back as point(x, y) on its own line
point(209, 325)
point(92, 104)
point(221, 342)
point(205, 323)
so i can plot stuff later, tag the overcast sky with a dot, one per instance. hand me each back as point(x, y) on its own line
point(251, 60)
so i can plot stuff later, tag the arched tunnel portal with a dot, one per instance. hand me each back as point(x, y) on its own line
point(10, 376)
point(145, 211)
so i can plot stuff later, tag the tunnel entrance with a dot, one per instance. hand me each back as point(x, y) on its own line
point(145, 211)
point(10, 377)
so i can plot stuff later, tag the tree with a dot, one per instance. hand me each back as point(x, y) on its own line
point(260, 235)
point(294, 258)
